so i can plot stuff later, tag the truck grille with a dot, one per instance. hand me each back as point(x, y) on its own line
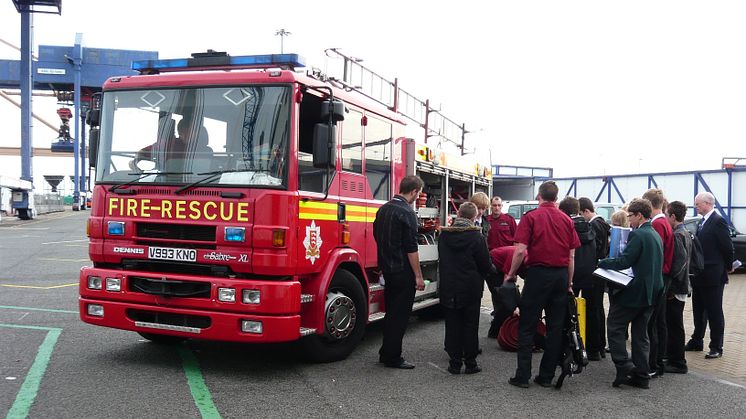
point(176, 231)
point(200, 322)
point(169, 288)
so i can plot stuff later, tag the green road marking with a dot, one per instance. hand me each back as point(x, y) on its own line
point(200, 392)
point(51, 310)
point(29, 389)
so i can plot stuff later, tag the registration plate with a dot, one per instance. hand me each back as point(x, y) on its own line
point(167, 253)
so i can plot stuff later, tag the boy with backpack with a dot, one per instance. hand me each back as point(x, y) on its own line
point(583, 280)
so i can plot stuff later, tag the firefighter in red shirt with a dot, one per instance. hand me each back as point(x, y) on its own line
point(502, 226)
point(549, 236)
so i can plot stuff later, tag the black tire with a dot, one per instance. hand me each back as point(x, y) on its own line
point(324, 348)
point(24, 214)
point(162, 339)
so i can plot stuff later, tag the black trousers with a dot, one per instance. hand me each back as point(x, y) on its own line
point(595, 317)
point(657, 330)
point(544, 289)
point(399, 296)
point(462, 330)
point(707, 307)
point(676, 336)
point(617, 324)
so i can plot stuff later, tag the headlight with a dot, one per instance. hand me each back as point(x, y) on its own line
point(113, 284)
point(95, 310)
point(252, 296)
point(94, 282)
point(227, 295)
point(251, 326)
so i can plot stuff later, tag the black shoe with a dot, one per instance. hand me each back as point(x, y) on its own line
point(675, 369)
point(453, 370)
point(713, 354)
point(619, 381)
point(518, 383)
point(594, 356)
point(403, 365)
point(472, 369)
point(542, 382)
point(693, 346)
point(479, 351)
point(639, 382)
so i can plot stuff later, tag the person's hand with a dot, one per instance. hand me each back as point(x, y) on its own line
point(517, 311)
point(420, 283)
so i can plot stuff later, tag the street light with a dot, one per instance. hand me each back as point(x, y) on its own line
point(282, 33)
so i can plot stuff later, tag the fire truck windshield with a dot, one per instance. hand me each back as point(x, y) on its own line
point(238, 133)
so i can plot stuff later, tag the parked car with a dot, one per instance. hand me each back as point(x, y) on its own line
point(738, 238)
point(516, 209)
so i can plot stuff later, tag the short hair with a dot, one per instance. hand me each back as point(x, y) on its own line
point(706, 197)
point(410, 183)
point(481, 200)
point(640, 206)
point(677, 209)
point(548, 191)
point(655, 197)
point(467, 210)
point(569, 205)
point(586, 204)
point(495, 197)
point(619, 218)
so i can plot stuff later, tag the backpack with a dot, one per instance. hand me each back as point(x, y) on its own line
point(585, 255)
point(574, 356)
point(696, 257)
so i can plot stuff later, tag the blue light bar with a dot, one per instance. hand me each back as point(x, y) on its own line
point(206, 60)
point(235, 234)
point(115, 228)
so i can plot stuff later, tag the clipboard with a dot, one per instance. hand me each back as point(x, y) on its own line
point(615, 278)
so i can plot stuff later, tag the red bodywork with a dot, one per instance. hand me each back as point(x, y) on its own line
point(281, 273)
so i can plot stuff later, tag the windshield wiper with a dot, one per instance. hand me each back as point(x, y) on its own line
point(213, 175)
point(141, 176)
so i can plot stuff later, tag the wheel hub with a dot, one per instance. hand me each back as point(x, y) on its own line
point(340, 315)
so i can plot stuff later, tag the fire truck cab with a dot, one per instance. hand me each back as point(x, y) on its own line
point(235, 200)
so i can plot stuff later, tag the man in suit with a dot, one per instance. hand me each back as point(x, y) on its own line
point(707, 287)
point(635, 303)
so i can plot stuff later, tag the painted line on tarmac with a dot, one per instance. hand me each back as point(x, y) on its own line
point(66, 260)
point(49, 310)
point(30, 387)
point(38, 287)
point(200, 392)
point(67, 241)
point(709, 376)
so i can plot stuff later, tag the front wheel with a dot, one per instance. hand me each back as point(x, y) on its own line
point(345, 314)
point(162, 339)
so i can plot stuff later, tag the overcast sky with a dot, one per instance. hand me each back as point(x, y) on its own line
point(585, 87)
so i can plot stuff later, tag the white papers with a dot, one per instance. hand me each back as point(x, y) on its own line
point(736, 264)
point(615, 277)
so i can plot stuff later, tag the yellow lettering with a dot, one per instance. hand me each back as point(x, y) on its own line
point(223, 215)
point(242, 214)
point(145, 208)
point(194, 210)
point(213, 215)
point(180, 208)
point(166, 209)
point(131, 207)
point(115, 203)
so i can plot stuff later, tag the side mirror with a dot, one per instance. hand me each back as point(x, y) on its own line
point(324, 145)
point(335, 108)
point(93, 138)
point(93, 117)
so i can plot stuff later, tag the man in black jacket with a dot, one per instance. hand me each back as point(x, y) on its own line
point(395, 232)
point(463, 264)
point(707, 287)
point(595, 313)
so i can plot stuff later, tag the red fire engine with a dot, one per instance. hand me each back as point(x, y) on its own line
point(235, 198)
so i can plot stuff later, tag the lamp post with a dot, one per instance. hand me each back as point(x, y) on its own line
point(282, 33)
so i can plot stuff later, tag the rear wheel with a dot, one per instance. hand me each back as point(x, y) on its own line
point(25, 214)
point(162, 339)
point(345, 314)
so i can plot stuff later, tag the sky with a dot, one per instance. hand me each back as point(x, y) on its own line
point(584, 87)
